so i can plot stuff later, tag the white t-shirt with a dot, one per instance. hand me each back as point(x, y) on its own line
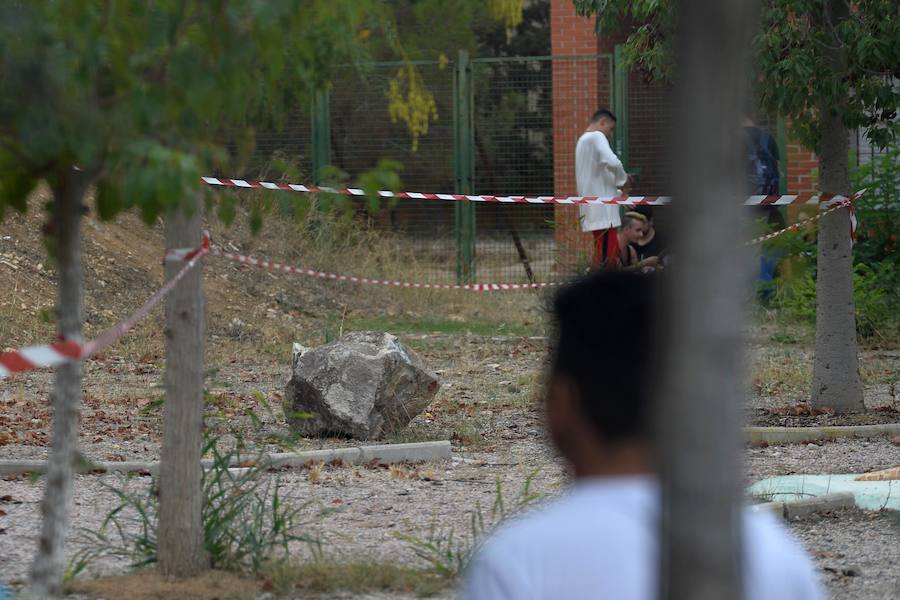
point(598, 172)
point(600, 541)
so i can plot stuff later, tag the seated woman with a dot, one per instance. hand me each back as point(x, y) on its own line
point(634, 225)
point(652, 244)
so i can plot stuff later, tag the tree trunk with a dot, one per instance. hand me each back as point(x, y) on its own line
point(836, 382)
point(49, 562)
point(700, 399)
point(181, 551)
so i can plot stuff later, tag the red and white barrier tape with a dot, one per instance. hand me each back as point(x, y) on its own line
point(274, 266)
point(51, 355)
point(118, 330)
point(184, 253)
point(773, 200)
point(37, 357)
point(177, 254)
point(836, 203)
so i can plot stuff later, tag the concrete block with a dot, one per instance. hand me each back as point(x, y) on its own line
point(808, 506)
point(803, 435)
point(383, 453)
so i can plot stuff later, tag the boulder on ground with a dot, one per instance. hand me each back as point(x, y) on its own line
point(363, 385)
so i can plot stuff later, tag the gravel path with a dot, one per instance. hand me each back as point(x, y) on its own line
point(368, 508)
point(858, 553)
point(486, 406)
point(836, 457)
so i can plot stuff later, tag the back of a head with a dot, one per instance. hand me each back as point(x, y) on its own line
point(603, 113)
point(605, 327)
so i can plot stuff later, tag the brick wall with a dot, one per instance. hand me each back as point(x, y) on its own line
point(800, 169)
point(580, 87)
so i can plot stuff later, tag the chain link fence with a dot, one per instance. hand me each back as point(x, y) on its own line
point(501, 126)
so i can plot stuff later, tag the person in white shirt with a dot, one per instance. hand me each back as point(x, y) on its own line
point(600, 539)
point(599, 172)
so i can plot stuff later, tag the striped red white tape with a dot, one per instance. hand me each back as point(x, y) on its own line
point(178, 254)
point(37, 357)
point(51, 355)
point(772, 200)
point(801, 224)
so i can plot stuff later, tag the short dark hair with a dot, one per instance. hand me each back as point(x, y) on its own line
point(604, 343)
point(603, 112)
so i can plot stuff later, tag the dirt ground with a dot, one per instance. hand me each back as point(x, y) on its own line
point(488, 351)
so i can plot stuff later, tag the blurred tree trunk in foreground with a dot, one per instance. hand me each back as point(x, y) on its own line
point(699, 438)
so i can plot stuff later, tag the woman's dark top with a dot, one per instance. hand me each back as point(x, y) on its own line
point(655, 247)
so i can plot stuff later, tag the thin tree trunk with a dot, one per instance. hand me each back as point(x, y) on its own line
point(181, 551)
point(49, 562)
point(520, 249)
point(836, 382)
point(700, 399)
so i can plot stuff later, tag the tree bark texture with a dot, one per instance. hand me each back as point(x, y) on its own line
point(49, 562)
point(181, 551)
point(836, 383)
point(700, 399)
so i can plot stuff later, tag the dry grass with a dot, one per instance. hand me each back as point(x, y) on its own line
point(149, 584)
point(122, 267)
point(399, 471)
point(355, 577)
point(314, 472)
point(787, 370)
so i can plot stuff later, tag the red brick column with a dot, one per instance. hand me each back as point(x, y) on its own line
point(577, 87)
point(800, 169)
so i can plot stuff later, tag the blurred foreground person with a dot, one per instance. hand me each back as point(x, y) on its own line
point(600, 539)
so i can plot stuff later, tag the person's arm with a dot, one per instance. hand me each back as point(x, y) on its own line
point(650, 261)
point(609, 160)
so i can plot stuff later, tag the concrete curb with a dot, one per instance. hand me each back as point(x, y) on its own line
point(800, 435)
point(385, 453)
point(797, 509)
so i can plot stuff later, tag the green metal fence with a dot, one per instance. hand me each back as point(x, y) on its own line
point(494, 134)
point(504, 126)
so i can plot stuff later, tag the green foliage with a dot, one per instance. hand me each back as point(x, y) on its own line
point(650, 40)
point(143, 97)
point(792, 56)
point(385, 176)
point(874, 292)
point(878, 211)
point(791, 52)
point(449, 554)
point(876, 256)
point(245, 519)
point(508, 12)
point(411, 103)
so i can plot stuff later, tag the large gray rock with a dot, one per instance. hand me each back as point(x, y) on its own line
point(363, 385)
